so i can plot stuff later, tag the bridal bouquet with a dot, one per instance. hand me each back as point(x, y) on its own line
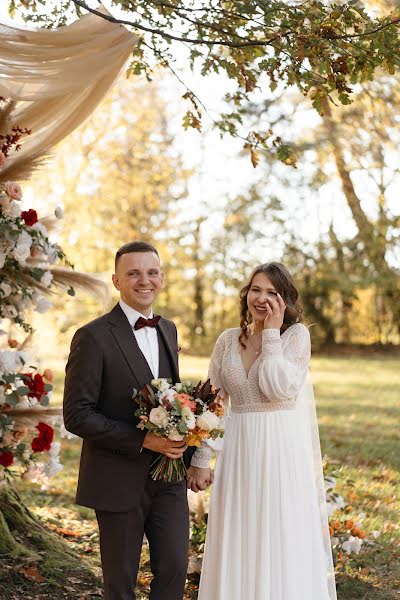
point(180, 412)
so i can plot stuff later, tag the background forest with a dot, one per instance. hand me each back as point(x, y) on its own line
point(334, 220)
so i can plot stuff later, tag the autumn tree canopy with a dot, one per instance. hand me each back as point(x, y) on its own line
point(323, 48)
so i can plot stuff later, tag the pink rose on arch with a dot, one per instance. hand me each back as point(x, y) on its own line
point(13, 190)
point(2, 158)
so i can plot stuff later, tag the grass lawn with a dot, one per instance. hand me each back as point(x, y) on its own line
point(359, 408)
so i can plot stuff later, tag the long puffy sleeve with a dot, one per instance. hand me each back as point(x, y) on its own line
point(285, 362)
point(201, 458)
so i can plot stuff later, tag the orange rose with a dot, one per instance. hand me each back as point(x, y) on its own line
point(48, 374)
point(193, 440)
point(331, 531)
point(335, 524)
point(185, 400)
point(349, 524)
point(217, 409)
point(361, 534)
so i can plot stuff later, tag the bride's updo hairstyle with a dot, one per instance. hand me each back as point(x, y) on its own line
point(284, 285)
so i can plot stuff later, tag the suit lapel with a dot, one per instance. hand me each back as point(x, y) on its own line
point(126, 340)
point(170, 344)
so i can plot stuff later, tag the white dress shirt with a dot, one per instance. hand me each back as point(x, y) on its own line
point(146, 337)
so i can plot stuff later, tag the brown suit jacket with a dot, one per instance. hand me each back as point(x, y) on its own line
point(104, 365)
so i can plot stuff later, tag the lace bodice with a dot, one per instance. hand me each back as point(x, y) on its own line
point(273, 380)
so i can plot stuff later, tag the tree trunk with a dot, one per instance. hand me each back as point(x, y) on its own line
point(199, 328)
point(25, 543)
point(374, 245)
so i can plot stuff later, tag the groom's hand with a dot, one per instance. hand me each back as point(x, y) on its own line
point(199, 479)
point(164, 446)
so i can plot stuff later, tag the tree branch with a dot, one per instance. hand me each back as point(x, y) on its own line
point(160, 32)
point(366, 33)
point(226, 43)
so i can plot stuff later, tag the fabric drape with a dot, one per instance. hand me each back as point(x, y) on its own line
point(58, 76)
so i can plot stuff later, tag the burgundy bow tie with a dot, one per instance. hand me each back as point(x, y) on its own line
point(142, 322)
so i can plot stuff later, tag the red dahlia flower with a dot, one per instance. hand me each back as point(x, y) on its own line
point(30, 217)
point(35, 384)
point(6, 458)
point(43, 441)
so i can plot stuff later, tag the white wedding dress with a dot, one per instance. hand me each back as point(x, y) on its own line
point(267, 534)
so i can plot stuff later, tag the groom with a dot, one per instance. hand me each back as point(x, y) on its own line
point(109, 357)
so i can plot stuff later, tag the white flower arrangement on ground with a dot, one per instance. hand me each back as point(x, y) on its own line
point(347, 534)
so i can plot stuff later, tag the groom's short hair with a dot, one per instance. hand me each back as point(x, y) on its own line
point(134, 247)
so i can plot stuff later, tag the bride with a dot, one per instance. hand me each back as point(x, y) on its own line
point(267, 534)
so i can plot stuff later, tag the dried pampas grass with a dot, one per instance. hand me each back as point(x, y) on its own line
point(51, 223)
point(82, 281)
point(22, 169)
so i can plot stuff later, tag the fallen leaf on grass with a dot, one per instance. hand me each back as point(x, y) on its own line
point(32, 573)
point(67, 532)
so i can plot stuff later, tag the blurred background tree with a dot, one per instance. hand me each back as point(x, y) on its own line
point(334, 220)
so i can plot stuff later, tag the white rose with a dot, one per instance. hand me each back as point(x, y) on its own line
point(188, 417)
point(21, 253)
point(26, 455)
point(167, 396)
point(175, 436)
point(5, 288)
point(353, 544)
point(38, 226)
point(24, 239)
point(23, 247)
point(42, 304)
point(159, 416)
point(207, 421)
point(11, 361)
point(46, 279)
point(14, 210)
point(178, 387)
point(160, 384)
point(9, 311)
point(53, 467)
point(55, 449)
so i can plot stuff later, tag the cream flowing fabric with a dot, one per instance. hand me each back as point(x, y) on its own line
point(267, 532)
point(58, 76)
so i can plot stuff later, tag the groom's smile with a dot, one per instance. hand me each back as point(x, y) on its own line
point(139, 279)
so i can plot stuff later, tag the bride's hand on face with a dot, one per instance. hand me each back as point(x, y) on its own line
point(276, 313)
